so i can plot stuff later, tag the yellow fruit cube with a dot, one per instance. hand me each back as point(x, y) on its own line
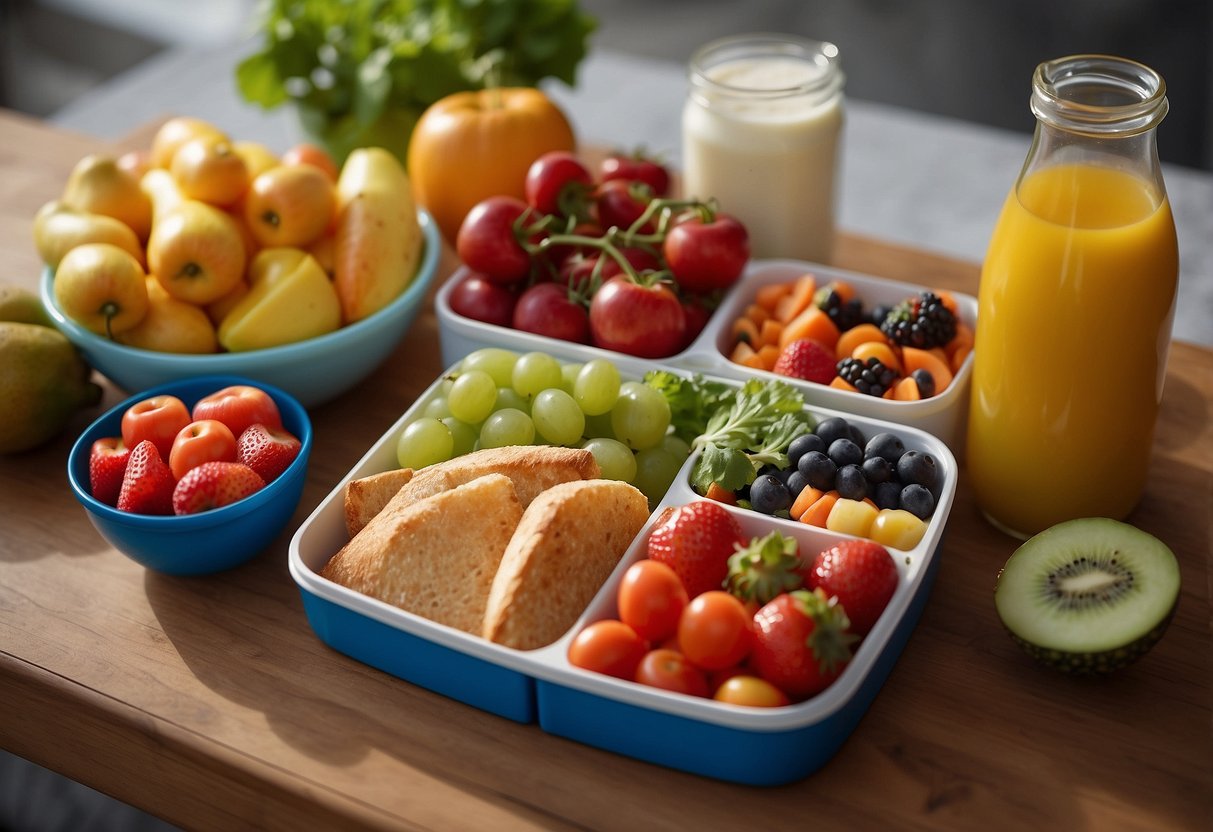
point(898, 528)
point(851, 517)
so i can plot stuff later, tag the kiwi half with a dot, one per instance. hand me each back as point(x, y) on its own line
point(1088, 595)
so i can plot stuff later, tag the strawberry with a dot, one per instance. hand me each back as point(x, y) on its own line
point(800, 642)
point(765, 569)
point(268, 451)
point(861, 574)
point(147, 483)
point(806, 359)
point(696, 541)
point(106, 466)
point(214, 484)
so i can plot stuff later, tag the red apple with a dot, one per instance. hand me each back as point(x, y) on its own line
point(238, 407)
point(203, 440)
point(158, 418)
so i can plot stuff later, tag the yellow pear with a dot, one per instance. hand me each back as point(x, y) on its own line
point(101, 287)
point(163, 192)
point(295, 300)
point(99, 185)
point(58, 228)
point(176, 132)
point(170, 325)
point(20, 305)
point(196, 253)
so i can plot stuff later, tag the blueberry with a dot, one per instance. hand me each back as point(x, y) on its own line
point(845, 452)
point(769, 495)
point(796, 483)
point(818, 470)
point(878, 469)
point(856, 435)
point(851, 483)
point(833, 428)
point(916, 467)
point(780, 474)
point(917, 500)
point(802, 444)
point(887, 495)
point(886, 446)
point(925, 382)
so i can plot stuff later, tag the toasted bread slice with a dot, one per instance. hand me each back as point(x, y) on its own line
point(366, 497)
point(437, 557)
point(570, 538)
point(532, 468)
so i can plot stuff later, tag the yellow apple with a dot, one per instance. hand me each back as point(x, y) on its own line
point(290, 299)
point(101, 287)
point(290, 205)
point(196, 253)
point(209, 169)
point(98, 184)
point(176, 132)
point(170, 325)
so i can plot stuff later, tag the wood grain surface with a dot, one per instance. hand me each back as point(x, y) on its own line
point(210, 702)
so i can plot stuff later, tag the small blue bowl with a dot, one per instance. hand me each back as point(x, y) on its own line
point(210, 541)
point(313, 371)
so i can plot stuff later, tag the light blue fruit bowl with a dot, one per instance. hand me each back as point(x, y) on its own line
point(313, 371)
point(210, 541)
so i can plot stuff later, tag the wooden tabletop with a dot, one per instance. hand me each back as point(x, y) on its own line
point(210, 702)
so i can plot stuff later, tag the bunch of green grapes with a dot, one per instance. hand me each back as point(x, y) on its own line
point(496, 397)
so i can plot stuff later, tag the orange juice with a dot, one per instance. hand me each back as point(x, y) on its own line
point(1074, 322)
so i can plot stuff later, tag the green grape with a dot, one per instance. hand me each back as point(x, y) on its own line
point(614, 458)
point(497, 362)
point(535, 371)
point(656, 469)
point(508, 397)
point(557, 417)
point(463, 436)
point(599, 426)
point(423, 442)
point(597, 386)
point(676, 445)
point(507, 427)
point(437, 408)
point(640, 416)
point(568, 376)
point(472, 396)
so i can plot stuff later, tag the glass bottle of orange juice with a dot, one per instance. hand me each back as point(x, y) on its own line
point(1076, 302)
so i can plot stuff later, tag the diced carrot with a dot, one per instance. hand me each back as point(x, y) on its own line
point(741, 351)
point(905, 390)
point(812, 323)
point(856, 335)
point(744, 330)
point(879, 350)
point(798, 300)
point(770, 331)
point(816, 514)
point(768, 296)
point(768, 354)
point(807, 496)
point(757, 315)
point(754, 362)
point(842, 384)
point(929, 360)
point(720, 494)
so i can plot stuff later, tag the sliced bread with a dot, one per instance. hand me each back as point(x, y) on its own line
point(366, 497)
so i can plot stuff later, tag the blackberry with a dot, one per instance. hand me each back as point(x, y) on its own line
point(845, 314)
point(923, 322)
point(871, 377)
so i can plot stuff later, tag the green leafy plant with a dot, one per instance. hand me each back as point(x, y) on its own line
point(362, 71)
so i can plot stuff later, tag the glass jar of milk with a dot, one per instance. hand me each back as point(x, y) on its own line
point(760, 135)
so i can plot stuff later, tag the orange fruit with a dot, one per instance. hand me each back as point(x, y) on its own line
point(290, 205)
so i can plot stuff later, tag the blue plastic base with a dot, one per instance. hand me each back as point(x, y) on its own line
point(465, 678)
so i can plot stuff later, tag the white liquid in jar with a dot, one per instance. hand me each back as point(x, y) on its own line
point(769, 160)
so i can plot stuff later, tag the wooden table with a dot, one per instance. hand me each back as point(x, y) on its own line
point(210, 702)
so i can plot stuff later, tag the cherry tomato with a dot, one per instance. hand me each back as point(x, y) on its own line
point(620, 203)
point(483, 300)
point(555, 256)
point(609, 647)
point(697, 313)
point(547, 309)
point(750, 691)
point(707, 256)
point(645, 321)
point(651, 598)
point(714, 630)
point(640, 259)
point(239, 406)
point(487, 243)
point(204, 440)
point(670, 670)
point(636, 168)
point(557, 183)
point(158, 418)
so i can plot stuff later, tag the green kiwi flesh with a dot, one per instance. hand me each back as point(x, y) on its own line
point(1089, 595)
